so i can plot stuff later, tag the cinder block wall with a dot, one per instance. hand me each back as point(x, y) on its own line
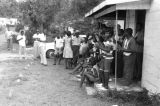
point(151, 62)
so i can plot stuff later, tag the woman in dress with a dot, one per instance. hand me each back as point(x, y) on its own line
point(67, 52)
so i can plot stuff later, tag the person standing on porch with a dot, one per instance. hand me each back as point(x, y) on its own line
point(139, 37)
point(129, 56)
point(36, 44)
point(22, 44)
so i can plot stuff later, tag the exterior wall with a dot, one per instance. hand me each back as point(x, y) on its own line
point(151, 62)
point(131, 20)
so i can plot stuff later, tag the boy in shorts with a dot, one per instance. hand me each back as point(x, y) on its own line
point(58, 50)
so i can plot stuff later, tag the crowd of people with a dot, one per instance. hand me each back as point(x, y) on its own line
point(93, 57)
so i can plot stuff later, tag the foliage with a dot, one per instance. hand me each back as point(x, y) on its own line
point(39, 13)
point(74, 15)
point(80, 7)
point(19, 27)
point(9, 8)
point(132, 98)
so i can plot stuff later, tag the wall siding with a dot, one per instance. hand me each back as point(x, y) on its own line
point(151, 62)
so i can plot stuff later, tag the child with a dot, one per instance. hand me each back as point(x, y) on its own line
point(91, 73)
point(22, 44)
point(58, 50)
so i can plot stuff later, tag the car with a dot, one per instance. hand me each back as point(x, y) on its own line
point(50, 49)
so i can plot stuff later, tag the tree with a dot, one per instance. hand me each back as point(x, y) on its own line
point(74, 12)
point(39, 13)
point(9, 8)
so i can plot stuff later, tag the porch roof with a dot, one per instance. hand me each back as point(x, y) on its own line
point(113, 5)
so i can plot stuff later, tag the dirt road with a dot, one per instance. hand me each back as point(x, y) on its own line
point(28, 83)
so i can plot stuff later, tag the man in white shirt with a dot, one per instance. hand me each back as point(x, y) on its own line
point(42, 46)
point(22, 44)
point(76, 41)
point(58, 49)
point(8, 36)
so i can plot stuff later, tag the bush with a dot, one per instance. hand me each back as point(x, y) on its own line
point(19, 27)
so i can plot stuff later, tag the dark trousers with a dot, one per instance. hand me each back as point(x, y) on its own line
point(75, 49)
point(138, 67)
point(9, 44)
point(119, 65)
point(129, 64)
point(104, 78)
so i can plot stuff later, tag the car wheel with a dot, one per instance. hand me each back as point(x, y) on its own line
point(49, 53)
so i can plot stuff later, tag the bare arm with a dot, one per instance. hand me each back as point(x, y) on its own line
point(100, 46)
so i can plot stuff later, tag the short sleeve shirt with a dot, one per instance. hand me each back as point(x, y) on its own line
point(9, 34)
point(59, 42)
point(76, 40)
point(42, 37)
point(22, 42)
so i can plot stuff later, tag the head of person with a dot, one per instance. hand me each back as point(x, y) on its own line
point(77, 34)
point(85, 40)
point(22, 32)
point(68, 33)
point(128, 32)
point(38, 32)
point(58, 37)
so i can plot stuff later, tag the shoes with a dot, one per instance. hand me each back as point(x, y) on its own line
point(44, 64)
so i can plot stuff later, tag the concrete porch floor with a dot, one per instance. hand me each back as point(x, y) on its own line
point(135, 86)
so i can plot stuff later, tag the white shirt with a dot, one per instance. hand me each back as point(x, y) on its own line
point(83, 48)
point(36, 36)
point(22, 42)
point(59, 42)
point(126, 43)
point(9, 34)
point(42, 37)
point(76, 40)
point(108, 55)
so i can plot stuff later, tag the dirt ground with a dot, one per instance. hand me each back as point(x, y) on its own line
point(28, 83)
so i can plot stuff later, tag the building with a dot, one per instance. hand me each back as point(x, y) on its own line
point(8, 21)
point(133, 12)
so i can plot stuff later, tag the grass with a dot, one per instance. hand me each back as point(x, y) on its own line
point(123, 98)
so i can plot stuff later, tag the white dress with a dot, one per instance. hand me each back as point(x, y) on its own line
point(67, 52)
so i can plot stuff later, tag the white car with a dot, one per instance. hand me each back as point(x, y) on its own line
point(50, 49)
